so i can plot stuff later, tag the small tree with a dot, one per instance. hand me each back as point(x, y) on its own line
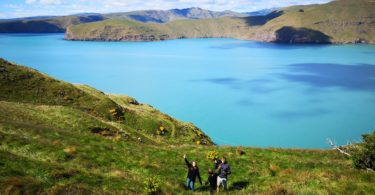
point(364, 154)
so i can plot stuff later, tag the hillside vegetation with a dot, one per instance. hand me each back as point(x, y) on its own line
point(59, 138)
point(340, 21)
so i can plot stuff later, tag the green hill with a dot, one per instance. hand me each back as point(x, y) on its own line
point(46, 24)
point(340, 21)
point(59, 138)
point(24, 85)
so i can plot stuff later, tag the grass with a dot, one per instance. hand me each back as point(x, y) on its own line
point(48, 145)
point(25, 85)
point(103, 165)
point(343, 21)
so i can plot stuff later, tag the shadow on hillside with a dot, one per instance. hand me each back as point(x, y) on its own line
point(91, 18)
point(30, 27)
point(289, 34)
point(261, 20)
point(145, 18)
point(239, 185)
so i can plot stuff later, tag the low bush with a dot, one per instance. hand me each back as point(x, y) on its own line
point(20, 185)
point(364, 154)
point(273, 169)
point(211, 155)
point(152, 185)
point(239, 151)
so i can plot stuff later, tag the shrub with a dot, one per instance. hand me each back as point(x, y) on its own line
point(117, 113)
point(73, 188)
point(273, 169)
point(239, 151)
point(133, 101)
point(161, 131)
point(212, 155)
point(278, 189)
point(364, 155)
point(70, 150)
point(20, 185)
point(152, 185)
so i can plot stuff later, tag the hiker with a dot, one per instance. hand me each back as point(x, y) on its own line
point(193, 173)
point(211, 180)
point(217, 162)
point(224, 171)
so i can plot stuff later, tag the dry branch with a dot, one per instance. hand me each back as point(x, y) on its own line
point(335, 147)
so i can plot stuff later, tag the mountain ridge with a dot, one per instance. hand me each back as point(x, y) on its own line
point(58, 24)
point(340, 21)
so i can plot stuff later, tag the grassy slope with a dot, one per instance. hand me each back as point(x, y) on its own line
point(342, 21)
point(114, 30)
point(24, 85)
point(48, 145)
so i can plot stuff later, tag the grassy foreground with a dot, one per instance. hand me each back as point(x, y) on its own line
point(58, 138)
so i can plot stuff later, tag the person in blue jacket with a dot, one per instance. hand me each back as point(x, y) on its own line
point(223, 172)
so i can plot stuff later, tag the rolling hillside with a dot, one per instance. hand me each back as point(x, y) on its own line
point(164, 16)
point(27, 86)
point(58, 24)
point(46, 24)
point(340, 21)
point(59, 138)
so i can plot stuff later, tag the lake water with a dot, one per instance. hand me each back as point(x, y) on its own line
point(239, 92)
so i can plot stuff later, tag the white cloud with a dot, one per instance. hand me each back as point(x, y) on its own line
point(66, 7)
point(30, 1)
point(217, 5)
point(44, 2)
point(50, 2)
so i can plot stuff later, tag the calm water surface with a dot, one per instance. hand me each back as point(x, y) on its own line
point(238, 92)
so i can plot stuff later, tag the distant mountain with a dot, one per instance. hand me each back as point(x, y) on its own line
point(55, 24)
point(46, 24)
point(340, 21)
point(30, 18)
point(164, 16)
point(262, 12)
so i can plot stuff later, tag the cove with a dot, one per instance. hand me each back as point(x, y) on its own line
point(239, 92)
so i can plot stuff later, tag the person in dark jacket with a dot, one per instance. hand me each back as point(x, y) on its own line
point(211, 181)
point(224, 171)
point(217, 163)
point(193, 173)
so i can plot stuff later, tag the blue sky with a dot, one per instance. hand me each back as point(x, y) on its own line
point(23, 8)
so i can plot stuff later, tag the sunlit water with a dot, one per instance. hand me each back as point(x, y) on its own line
point(238, 92)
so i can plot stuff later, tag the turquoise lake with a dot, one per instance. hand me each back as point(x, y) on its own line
point(238, 92)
